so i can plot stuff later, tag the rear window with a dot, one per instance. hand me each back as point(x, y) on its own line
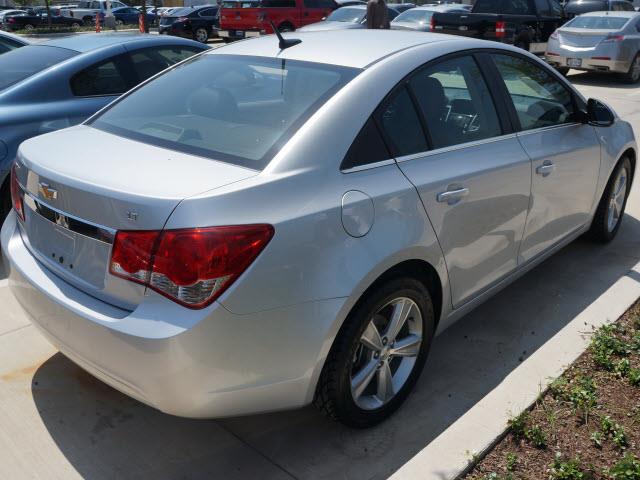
point(21, 63)
point(415, 16)
point(598, 23)
point(577, 8)
point(236, 109)
point(348, 15)
point(244, 4)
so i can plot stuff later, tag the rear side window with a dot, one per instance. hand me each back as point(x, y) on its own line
point(540, 100)
point(7, 44)
point(401, 125)
point(543, 8)
point(278, 3)
point(240, 110)
point(149, 61)
point(209, 12)
point(105, 78)
point(367, 148)
point(21, 63)
point(455, 102)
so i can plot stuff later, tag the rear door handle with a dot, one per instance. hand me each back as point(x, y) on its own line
point(545, 169)
point(453, 196)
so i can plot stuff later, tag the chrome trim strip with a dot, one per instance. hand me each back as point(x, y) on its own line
point(369, 166)
point(452, 148)
point(523, 133)
point(108, 234)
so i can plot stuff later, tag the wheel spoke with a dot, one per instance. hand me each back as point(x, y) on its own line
point(399, 316)
point(622, 183)
point(385, 383)
point(406, 347)
point(371, 338)
point(363, 378)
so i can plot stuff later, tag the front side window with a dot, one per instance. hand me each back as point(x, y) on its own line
point(105, 78)
point(455, 102)
point(540, 100)
point(236, 109)
point(401, 125)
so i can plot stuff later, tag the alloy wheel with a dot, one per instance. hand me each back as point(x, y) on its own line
point(201, 35)
point(386, 353)
point(616, 200)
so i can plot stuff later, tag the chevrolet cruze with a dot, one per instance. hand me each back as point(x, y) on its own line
point(295, 224)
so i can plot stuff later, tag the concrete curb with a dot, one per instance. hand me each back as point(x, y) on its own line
point(455, 451)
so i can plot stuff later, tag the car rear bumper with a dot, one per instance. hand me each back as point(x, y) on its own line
point(588, 63)
point(192, 363)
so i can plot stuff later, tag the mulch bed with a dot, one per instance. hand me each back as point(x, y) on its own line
point(587, 424)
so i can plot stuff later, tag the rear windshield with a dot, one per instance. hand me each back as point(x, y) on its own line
point(21, 63)
point(415, 16)
point(182, 12)
point(598, 23)
point(347, 14)
point(577, 8)
point(236, 109)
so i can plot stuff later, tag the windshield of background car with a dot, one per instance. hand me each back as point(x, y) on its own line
point(415, 16)
point(236, 109)
point(598, 23)
point(21, 63)
point(348, 15)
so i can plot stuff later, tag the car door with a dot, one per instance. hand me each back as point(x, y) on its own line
point(471, 172)
point(565, 154)
point(209, 16)
point(316, 10)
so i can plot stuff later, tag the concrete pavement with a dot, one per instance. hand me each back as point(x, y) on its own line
point(58, 422)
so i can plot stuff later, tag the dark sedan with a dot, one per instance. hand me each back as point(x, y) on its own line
point(35, 20)
point(56, 84)
point(130, 15)
point(200, 23)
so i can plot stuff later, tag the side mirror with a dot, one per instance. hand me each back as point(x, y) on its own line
point(599, 114)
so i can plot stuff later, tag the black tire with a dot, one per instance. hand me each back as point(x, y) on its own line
point(29, 27)
point(563, 71)
point(523, 43)
point(333, 393)
point(600, 230)
point(76, 25)
point(88, 21)
point(5, 200)
point(633, 75)
point(201, 35)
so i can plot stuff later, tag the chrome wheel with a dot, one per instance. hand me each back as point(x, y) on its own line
point(201, 35)
point(616, 200)
point(386, 353)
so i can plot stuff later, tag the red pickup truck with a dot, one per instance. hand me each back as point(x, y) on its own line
point(250, 18)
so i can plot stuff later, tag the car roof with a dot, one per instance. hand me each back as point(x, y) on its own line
point(356, 48)
point(85, 43)
point(612, 13)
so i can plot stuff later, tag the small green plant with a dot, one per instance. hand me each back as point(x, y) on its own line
point(511, 461)
point(622, 367)
point(558, 388)
point(613, 430)
point(634, 376)
point(605, 345)
point(596, 437)
point(628, 468)
point(518, 425)
point(536, 437)
point(567, 469)
point(582, 396)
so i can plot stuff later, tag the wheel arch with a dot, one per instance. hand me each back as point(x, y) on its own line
point(630, 153)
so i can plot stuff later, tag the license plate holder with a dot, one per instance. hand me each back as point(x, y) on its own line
point(574, 62)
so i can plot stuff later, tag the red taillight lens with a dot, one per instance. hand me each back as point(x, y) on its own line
point(613, 38)
point(192, 267)
point(554, 35)
point(11, 20)
point(17, 194)
point(432, 24)
point(500, 29)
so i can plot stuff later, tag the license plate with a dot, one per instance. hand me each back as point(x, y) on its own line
point(463, 28)
point(574, 62)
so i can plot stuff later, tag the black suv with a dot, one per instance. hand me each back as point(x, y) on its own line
point(200, 23)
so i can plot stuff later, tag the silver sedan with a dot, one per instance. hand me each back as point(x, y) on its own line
point(598, 41)
point(296, 220)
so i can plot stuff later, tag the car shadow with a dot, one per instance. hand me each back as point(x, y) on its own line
point(595, 79)
point(105, 434)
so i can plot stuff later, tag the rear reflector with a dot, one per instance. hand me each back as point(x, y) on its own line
point(192, 267)
point(600, 58)
point(432, 24)
point(613, 38)
point(500, 29)
point(17, 194)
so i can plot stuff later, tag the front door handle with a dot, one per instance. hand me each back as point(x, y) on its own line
point(452, 196)
point(546, 168)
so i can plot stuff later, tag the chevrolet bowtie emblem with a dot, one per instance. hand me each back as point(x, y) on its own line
point(47, 192)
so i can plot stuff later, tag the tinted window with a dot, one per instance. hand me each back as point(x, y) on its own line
point(577, 8)
point(543, 8)
point(319, 4)
point(208, 12)
point(348, 14)
point(598, 23)
point(517, 7)
point(23, 62)
point(105, 78)
point(421, 17)
point(368, 147)
point(401, 125)
point(279, 3)
point(455, 102)
point(148, 62)
point(235, 109)
point(7, 44)
point(556, 8)
point(539, 99)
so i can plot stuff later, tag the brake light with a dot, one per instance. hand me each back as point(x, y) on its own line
point(432, 24)
point(500, 29)
point(600, 58)
point(192, 267)
point(17, 194)
point(554, 35)
point(613, 38)
point(11, 20)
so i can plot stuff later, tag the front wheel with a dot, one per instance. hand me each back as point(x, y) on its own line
point(201, 35)
point(608, 217)
point(378, 354)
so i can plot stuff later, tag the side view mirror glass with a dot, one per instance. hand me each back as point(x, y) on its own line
point(599, 114)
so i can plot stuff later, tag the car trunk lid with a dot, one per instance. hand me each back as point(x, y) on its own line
point(82, 185)
point(575, 37)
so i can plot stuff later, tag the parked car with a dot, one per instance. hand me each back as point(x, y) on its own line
point(200, 23)
point(526, 24)
point(578, 7)
point(347, 18)
point(55, 84)
point(87, 10)
point(296, 223)
point(31, 21)
point(10, 42)
point(419, 18)
point(10, 11)
point(131, 16)
point(287, 15)
point(598, 41)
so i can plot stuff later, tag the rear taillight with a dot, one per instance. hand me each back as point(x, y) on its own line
point(613, 38)
point(500, 29)
point(17, 194)
point(432, 24)
point(192, 267)
point(11, 20)
point(554, 35)
point(182, 19)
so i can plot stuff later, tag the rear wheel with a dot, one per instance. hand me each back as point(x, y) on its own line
point(76, 25)
point(201, 35)
point(633, 75)
point(119, 23)
point(608, 217)
point(378, 355)
point(29, 27)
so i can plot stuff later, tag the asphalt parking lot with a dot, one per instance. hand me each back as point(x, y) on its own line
point(58, 422)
